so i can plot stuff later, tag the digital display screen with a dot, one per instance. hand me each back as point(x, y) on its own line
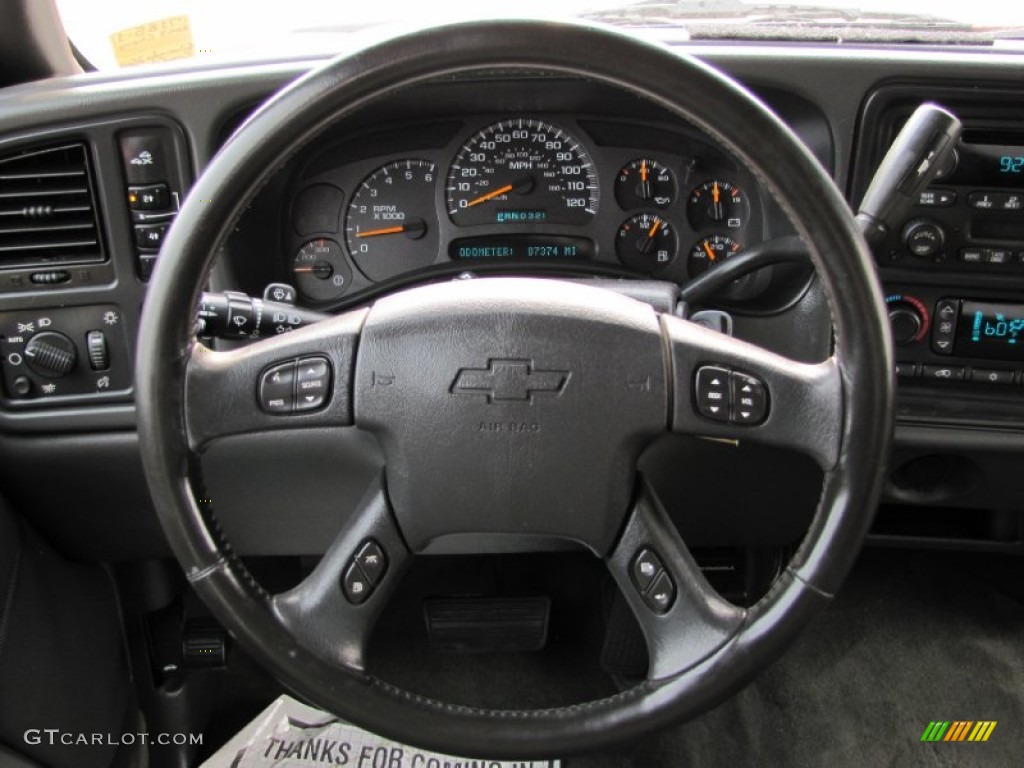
point(518, 216)
point(521, 247)
point(990, 165)
point(993, 331)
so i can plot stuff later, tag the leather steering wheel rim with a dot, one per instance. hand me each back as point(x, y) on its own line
point(680, 84)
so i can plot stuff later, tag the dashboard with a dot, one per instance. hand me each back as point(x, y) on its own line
point(564, 190)
point(511, 173)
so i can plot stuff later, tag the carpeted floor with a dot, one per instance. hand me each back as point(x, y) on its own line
point(914, 637)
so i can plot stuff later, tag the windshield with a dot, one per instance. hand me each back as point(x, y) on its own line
point(113, 33)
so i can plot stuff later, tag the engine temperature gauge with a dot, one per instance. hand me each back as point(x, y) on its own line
point(718, 203)
point(710, 251)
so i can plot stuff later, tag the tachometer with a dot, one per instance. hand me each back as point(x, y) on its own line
point(391, 226)
point(520, 171)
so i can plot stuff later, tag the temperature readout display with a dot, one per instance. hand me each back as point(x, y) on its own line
point(991, 330)
point(521, 247)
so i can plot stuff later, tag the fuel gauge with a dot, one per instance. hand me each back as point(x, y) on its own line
point(646, 242)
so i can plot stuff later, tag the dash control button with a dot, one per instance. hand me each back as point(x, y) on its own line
point(944, 327)
point(749, 399)
point(662, 594)
point(712, 392)
point(646, 567)
point(312, 383)
point(277, 389)
point(357, 587)
point(371, 559)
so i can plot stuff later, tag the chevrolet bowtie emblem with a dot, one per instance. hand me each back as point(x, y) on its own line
point(509, 380)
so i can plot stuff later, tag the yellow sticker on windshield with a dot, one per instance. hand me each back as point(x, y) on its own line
point(162, 40)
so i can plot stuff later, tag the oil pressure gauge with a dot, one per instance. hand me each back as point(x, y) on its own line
point(644, 183)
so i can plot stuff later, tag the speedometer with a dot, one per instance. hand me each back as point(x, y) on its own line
point(522, 171)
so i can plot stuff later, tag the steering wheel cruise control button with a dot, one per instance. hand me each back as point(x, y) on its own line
point(646, 567)
point(749, 399)
point(357, 587)
point(372, 561)
point(312, 381)
point(662, 594)
point(277, 388)
point(712, 393)
point(364, 572)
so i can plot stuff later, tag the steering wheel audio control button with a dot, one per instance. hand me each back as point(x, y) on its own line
point(373, 562)
point(749, 399)
point(277, 388)
point(662, 594)
point(712, 393)
point(312, 382)
point(646, 567)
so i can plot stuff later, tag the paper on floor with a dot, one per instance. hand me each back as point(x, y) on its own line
point(290, 734)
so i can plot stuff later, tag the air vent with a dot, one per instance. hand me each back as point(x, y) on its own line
point(47, 208)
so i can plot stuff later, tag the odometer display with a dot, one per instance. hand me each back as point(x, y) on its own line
point(520, 171)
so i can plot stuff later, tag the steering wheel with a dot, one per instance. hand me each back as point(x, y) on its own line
point(577, 380)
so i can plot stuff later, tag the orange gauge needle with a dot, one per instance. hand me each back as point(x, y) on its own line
point(715, 193)
point(385, 231)
point(489, 195)
point(709, 251)
point(654, 228)
point(643, 170)
point(413, 227)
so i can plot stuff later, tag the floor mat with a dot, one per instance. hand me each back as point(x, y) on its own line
point(914, 637)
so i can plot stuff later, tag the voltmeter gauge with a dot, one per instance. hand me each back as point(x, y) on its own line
point(320, 270)
point(646, 242)
point(645, 183)
point(718, 203)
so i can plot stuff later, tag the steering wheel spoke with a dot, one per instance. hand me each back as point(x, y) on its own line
point(333, 610)
point(297, 380)
point(683, 619)
point(731, 389)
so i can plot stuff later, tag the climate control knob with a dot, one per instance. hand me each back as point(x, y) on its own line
point(908, 319)
point(924, 239)
point(906, 324)
point(51, 354)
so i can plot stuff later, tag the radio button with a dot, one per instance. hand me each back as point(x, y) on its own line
point(972, 255)
point(937, 198)
point(998, 255)
point(943, 372)
point(1012, 202)
point(985, 201)
point(992, 376)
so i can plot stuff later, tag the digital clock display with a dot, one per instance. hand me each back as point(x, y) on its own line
point(993, 331)
point(528, 247)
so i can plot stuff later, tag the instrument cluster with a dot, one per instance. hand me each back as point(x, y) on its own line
point(526, 193)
